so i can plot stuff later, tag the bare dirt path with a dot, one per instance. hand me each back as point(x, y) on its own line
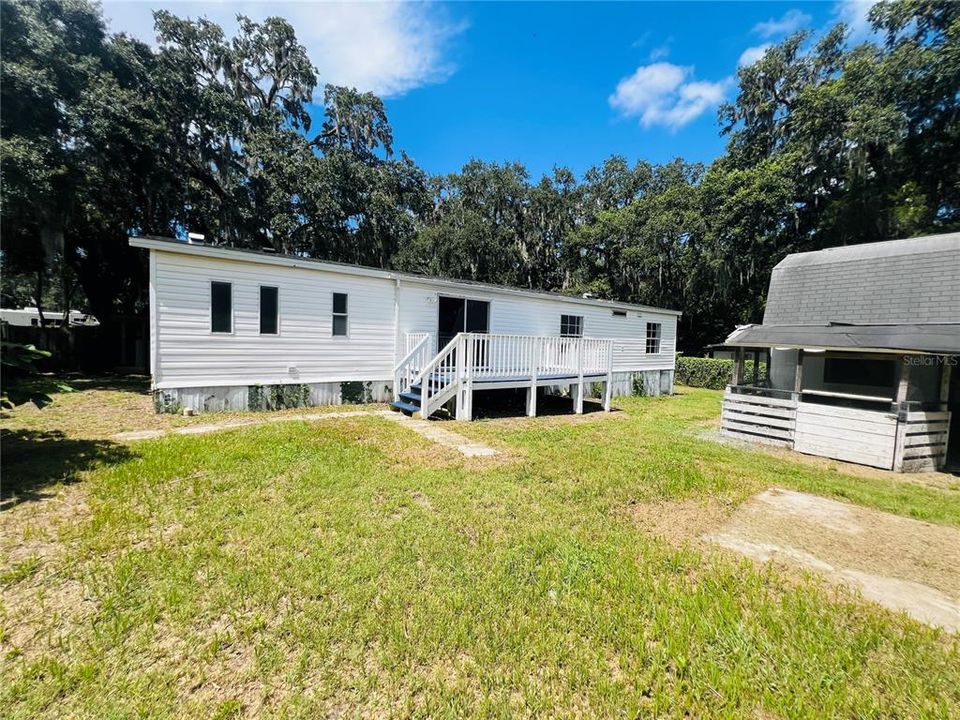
point(426, 428)
point(900, 563)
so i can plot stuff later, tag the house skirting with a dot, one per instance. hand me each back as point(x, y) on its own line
point(648, 383)
point(241, 398)
point(238, 398)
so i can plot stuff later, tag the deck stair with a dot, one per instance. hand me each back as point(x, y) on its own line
point(423, 384)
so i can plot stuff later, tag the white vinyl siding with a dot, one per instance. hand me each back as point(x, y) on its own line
point(515, 314)
point(189, 355)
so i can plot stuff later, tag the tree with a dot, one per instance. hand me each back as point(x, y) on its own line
point(102, 136)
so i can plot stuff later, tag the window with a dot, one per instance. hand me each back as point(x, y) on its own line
point(866, 372)
point(269, 310)
point(653, 338)
point(571, 326)
point(221, 307)
point(340, 314)
point(619, 313)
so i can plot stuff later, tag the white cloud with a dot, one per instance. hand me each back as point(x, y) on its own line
point(665, 94)
point(791, 21)
point(660, 52)
point(854, 13)
point(752, 54)
point(387, 48)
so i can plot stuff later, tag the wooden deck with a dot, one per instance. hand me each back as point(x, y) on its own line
point(480, 361)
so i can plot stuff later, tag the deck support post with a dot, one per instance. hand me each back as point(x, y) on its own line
point(578, 398)
point(464, 391)
point(608, 390)
point(537, 355)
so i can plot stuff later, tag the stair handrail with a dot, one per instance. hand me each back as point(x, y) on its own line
point(411, 364)
point(443, 368)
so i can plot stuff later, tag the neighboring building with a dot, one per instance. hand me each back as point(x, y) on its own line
point(719, 351)
point(30, 317)
point(236, 329)
point(864, 342)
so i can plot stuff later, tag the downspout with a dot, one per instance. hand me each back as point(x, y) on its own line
point(154, 325)
point(396, 321)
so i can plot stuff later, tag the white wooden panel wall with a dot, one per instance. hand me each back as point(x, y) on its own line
point(519, 315)
point(189, 355)
point(867, 437)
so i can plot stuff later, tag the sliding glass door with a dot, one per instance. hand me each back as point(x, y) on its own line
point(461, 315)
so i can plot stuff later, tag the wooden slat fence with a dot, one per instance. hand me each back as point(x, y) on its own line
point(758, 418)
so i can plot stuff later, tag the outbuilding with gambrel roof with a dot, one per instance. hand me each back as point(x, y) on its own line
point(861, 343)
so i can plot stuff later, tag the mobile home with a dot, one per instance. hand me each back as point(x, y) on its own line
point(237, 329)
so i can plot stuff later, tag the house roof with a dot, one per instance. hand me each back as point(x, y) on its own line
point(894, 296)
point(941, 339)
point(269, 258)
point(902, 282)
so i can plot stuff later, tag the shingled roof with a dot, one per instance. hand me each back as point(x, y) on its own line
point(899, 281)
point(895, 295)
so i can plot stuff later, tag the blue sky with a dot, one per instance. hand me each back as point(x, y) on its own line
point(541, 83)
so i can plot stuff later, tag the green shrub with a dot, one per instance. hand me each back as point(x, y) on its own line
point(164, 402)
point(22, 382)
point(714, 373)
point(640, 385)
point(277, 397)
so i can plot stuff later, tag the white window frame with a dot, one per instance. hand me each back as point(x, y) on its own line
point(335, 314)
point(580, 324)
point(233, 310)
point(657, 337)
point(260, 310)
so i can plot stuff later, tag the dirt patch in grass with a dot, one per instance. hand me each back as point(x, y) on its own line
point(36, 530)
point(900, 563)
point(32, 539)
point(683, 521)
point(100, 408)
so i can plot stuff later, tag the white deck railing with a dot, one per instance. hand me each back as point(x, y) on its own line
point(412, 340)
point(483, 358)
point(418, 352)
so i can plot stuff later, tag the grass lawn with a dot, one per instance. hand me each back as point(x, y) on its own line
point(350, 568)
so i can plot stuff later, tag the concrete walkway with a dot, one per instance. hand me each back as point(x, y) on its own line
point(428, 429)
point(433, 430)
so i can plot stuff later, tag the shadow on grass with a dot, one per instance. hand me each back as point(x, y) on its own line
point(34, 460)
point(495, 404)
point(125, 383)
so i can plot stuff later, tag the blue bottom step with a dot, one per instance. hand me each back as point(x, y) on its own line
point(405, 407)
